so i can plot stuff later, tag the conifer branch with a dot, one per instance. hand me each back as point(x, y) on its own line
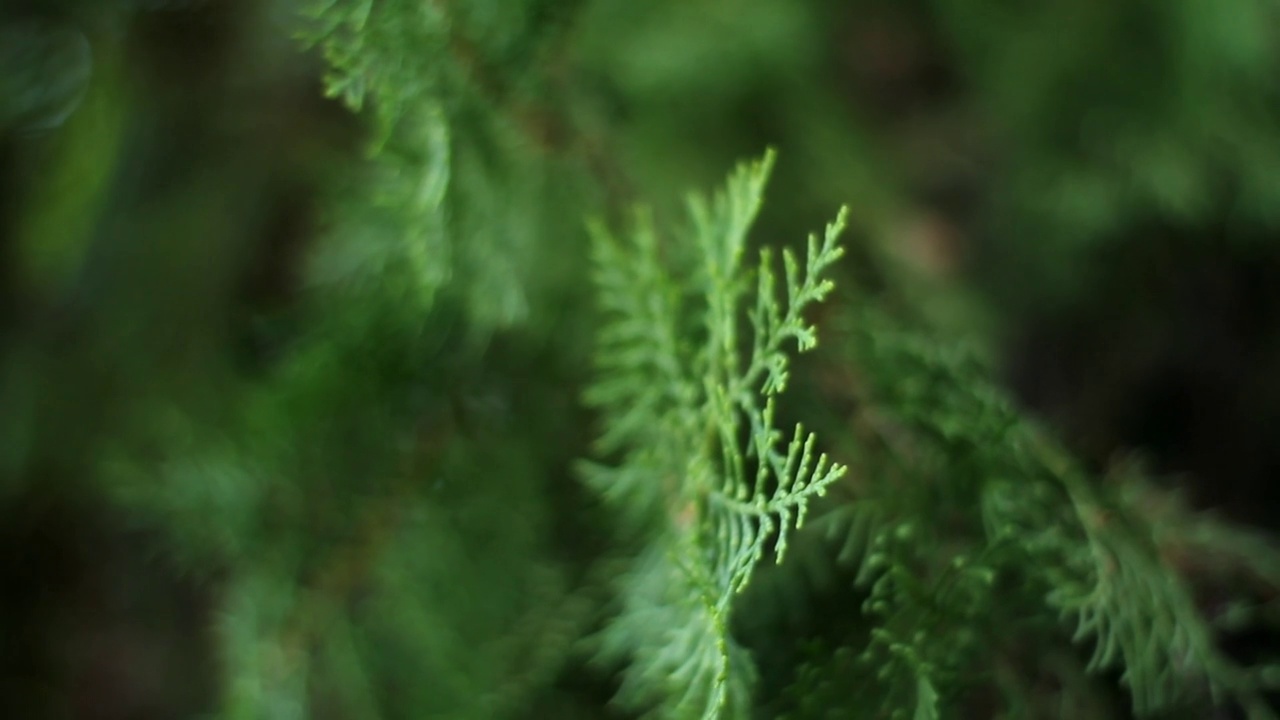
point(674, 400)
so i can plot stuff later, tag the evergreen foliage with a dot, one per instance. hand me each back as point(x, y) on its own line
point(678, 399)
point(451, 96)
point(964, 511)
point(486, 460)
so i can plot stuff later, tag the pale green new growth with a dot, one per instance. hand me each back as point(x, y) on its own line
point(677, 391)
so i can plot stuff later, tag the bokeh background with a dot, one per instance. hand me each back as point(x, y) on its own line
point(1089, 191)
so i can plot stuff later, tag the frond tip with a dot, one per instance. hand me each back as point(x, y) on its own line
point(675, 393)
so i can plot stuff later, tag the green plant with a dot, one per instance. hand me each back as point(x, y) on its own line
point(678, 399)
point(494, 463)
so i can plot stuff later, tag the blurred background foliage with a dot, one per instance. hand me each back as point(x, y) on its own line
point(215, 342)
